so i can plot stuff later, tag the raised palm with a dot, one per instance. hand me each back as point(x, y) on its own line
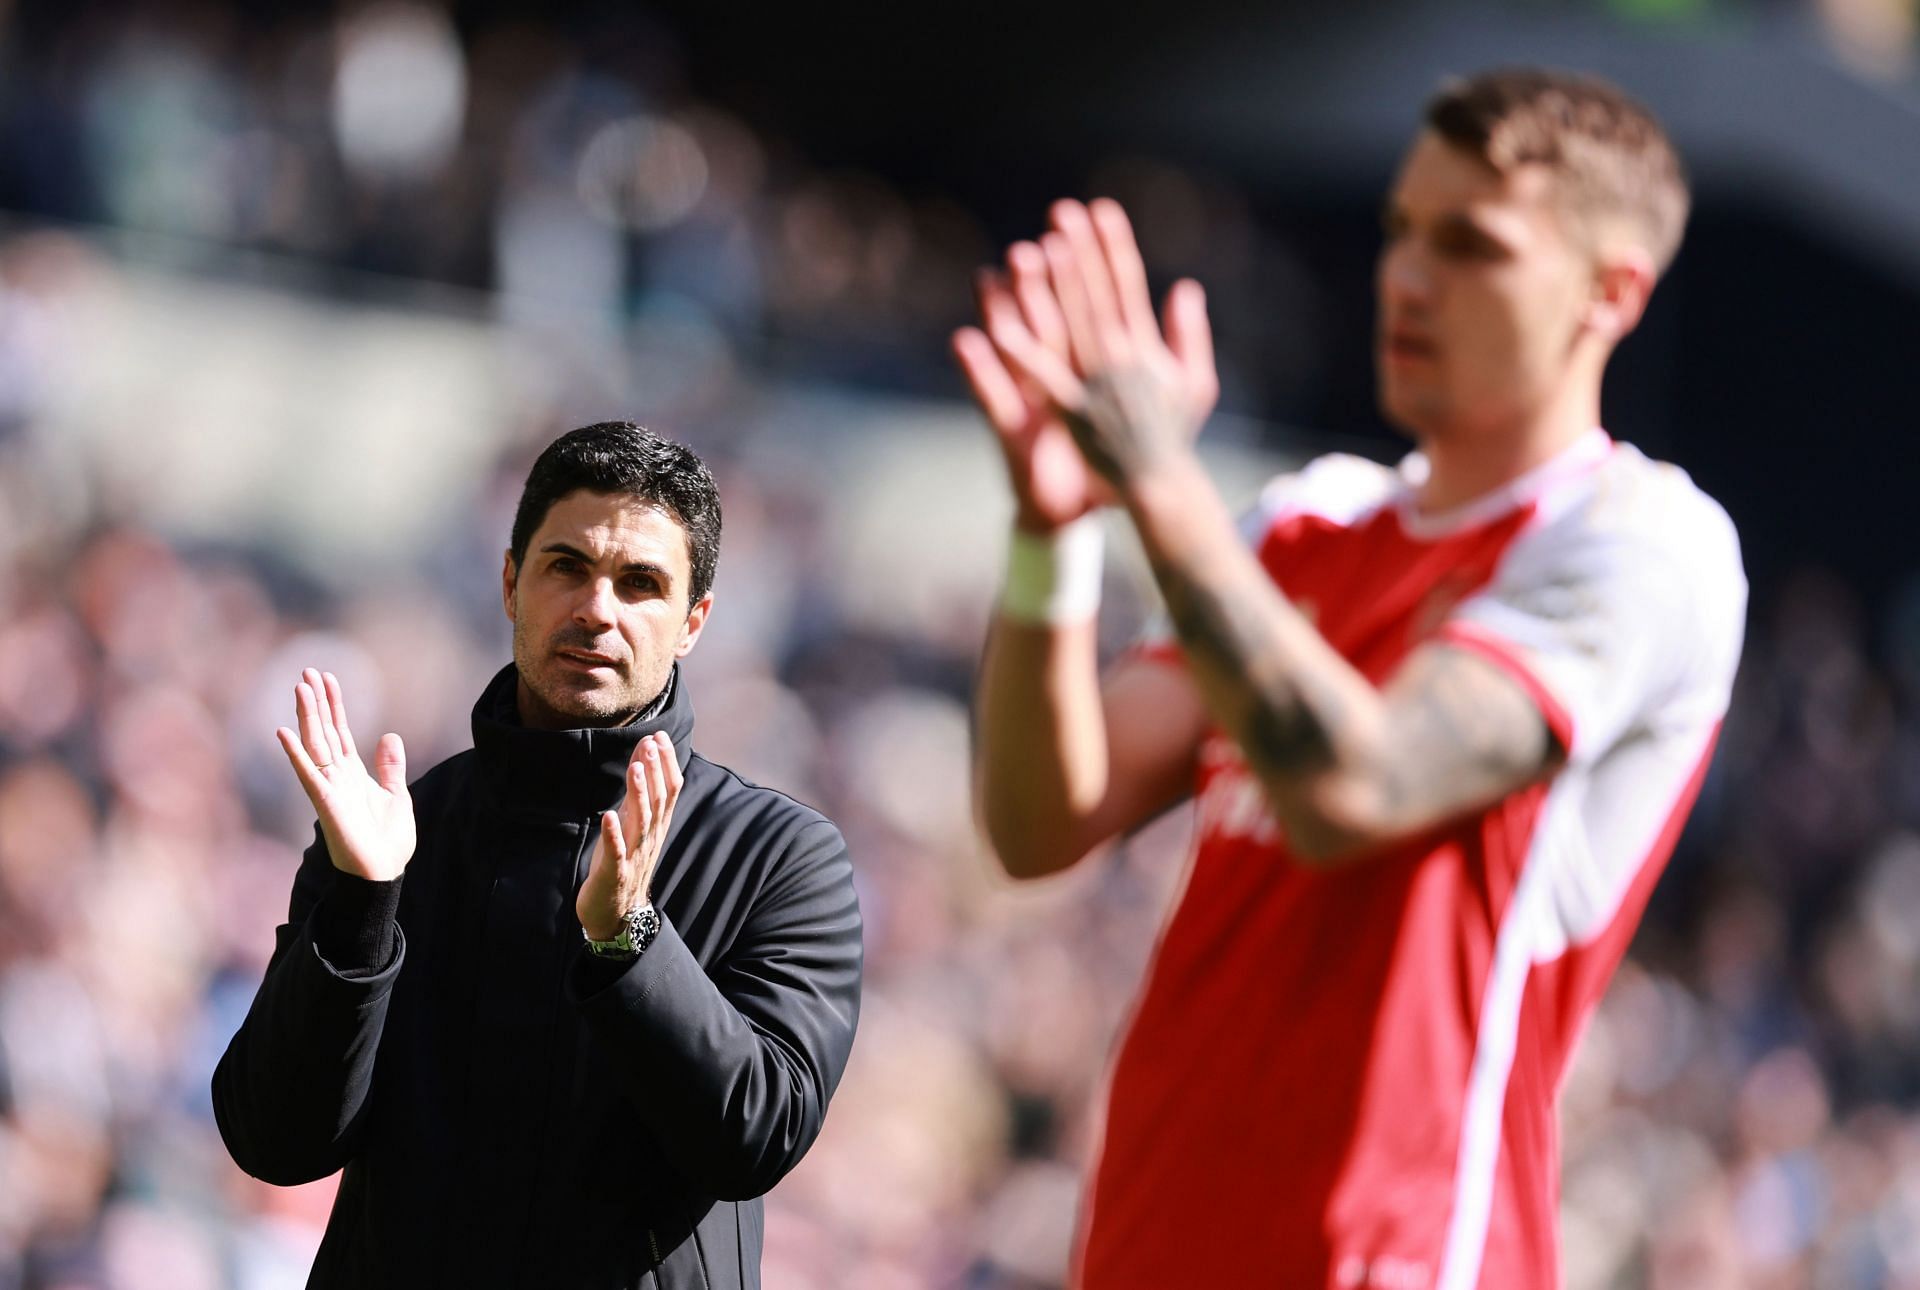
point(1052, 485)
point(1025, 331)
point(367, 820)
point(625, 855)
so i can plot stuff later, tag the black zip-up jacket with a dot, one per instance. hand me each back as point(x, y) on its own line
point(511, 1111)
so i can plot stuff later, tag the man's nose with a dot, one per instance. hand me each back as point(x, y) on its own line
point(594, 607)
point(1403, 276)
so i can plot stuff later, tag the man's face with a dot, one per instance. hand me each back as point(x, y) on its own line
point(1481, 293)
point(599, 610)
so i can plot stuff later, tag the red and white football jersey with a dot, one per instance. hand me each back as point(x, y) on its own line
point(1348, 1078)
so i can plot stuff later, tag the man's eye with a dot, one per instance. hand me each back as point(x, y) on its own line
point(640, 582)
point(1467, 246)
point(565, 564)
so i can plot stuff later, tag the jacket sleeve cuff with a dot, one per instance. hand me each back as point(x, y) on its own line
point(608, 985)
point(592, 973)
point(354, 929)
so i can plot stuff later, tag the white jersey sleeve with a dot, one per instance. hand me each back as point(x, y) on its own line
point(1624, 606)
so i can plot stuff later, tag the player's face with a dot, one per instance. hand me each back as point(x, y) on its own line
point(599, 610)
point(1481, 294)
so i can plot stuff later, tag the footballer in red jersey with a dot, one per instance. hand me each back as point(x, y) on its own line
point(1443, 720)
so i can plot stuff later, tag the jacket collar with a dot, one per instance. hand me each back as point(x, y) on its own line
point(567, 772)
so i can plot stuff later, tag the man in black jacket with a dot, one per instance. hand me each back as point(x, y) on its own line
point(568, 1007)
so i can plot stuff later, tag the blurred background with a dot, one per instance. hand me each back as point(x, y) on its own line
point(290, 299)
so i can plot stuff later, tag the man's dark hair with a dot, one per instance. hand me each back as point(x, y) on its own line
point(622, 457)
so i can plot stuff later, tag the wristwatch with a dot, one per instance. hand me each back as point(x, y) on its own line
point(637, 931)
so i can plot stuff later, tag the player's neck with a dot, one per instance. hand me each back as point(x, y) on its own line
point(1462, 468)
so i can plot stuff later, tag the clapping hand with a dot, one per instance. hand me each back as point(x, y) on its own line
point(1052, 485)
point(1075, 341)
point(620, 877)
point(367, 820)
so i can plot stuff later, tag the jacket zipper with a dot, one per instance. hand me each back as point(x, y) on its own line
point(653, 1248)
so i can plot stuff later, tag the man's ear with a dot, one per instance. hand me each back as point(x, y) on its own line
point(508, 576)
point(1622, 283)
point(696, 620)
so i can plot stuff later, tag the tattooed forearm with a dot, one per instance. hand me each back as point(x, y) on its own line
point(1232, 637)
point(1460, 732)
point(1346, 765)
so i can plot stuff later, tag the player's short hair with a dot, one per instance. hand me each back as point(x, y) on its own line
point(622, 457)
point(1609, 156)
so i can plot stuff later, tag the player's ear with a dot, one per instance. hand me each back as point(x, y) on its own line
point(1622, 282)
point(690, 630)
point(509, 575)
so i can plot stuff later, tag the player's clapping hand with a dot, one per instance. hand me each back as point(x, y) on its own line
point(367, 820)
point(1052, 485)
point(620, 877)
point(1126, 385)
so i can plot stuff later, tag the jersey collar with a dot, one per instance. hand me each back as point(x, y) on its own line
point(1576, 459)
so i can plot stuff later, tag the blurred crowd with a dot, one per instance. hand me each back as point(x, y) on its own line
point(565, 167)
point(1742, 1112)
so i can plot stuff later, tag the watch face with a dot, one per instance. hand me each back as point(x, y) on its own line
point(645, 925)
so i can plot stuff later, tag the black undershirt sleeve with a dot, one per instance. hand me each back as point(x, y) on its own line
point(353, 925)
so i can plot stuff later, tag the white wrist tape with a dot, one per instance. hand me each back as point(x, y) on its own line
point(1055, 579)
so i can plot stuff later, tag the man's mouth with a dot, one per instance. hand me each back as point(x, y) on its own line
point(586, 659)
point(1404, 345)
